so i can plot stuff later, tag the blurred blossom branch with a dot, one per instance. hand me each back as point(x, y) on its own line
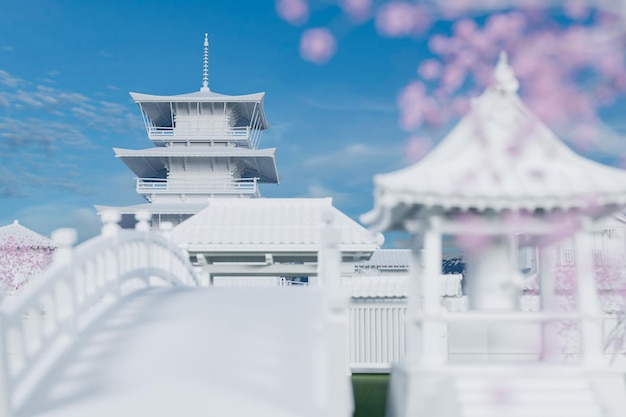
point(569, 55)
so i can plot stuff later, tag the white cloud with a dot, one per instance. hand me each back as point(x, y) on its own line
point(318, 190)
point(353, 104)
point(41, 128)
point(46, 218)
point(276, 133)
point(355, 155)
point(83, 113)
point(9, 80)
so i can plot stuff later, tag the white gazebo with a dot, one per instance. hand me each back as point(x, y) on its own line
point(499, 174)
point(23, 254)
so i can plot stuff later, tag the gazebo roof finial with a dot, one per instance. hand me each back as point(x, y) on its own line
point(504, 76)
point(205, 66)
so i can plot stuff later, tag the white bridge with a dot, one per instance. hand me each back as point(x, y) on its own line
point(120, 326)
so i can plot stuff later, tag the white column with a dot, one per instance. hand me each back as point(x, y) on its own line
point(110, 227)
point(551, 344)
point(491, 276)
point(413, 325)
point(434, 337)
point(142, 225)
point(339, 397)
point(5, 383)
point(588, 303)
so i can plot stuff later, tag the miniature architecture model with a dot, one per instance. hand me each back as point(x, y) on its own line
point(206, 159)
point(500, 174)
point(206, 145)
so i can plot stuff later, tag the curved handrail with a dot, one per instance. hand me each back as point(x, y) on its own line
point(77, 281)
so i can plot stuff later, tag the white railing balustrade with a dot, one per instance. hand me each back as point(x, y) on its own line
point(200, 186)
point(200, 134)
point(65, 298)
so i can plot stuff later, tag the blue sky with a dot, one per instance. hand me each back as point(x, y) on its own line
point(66, 67)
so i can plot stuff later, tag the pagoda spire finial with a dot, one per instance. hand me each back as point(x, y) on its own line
point(504, 75)
point(205, 66)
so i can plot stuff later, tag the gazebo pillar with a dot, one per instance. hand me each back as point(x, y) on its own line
point(550, 343)
point(491, 276)
point(434, 338)
point(587, 299)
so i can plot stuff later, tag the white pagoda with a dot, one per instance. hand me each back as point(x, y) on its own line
point(206, 145)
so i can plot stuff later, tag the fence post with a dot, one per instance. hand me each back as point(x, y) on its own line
point(340, 400)
point(63, 240)
point(110, 227)
point(142, 225)
point(166, 230)
point(5, 380)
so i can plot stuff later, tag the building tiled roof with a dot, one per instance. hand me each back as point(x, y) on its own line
point(15, 233)
point(156, 208)
point(387, 259)
point(268, 225)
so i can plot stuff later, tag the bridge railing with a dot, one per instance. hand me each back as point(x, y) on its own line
point(36, 325)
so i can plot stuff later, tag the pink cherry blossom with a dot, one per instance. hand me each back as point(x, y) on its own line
point(358, 10)
point(295, 12)
point(576, 9)
point(19, 263)
point(399, 18)
point(411, 101)
point(317, 45)
point(429, 69)
point(416, 148)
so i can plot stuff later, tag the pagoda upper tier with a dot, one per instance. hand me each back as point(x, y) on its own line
point(203, 117)
point(206, 146)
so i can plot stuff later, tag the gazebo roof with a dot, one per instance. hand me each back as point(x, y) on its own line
point(16, 234)
point(499, 157)
point(268, 225)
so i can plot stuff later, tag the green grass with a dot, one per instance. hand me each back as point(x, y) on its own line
point(370, 394)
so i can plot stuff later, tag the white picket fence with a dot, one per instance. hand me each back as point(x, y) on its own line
point(377, 335)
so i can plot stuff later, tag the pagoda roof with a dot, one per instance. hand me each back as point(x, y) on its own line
point(498, 157)
point(197, 96)
point(152, 162)
point(157, 108)
point(269, 225)
point(16, 234)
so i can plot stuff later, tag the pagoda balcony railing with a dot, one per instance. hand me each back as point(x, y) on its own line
point(248, 186)
point(241, 135)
